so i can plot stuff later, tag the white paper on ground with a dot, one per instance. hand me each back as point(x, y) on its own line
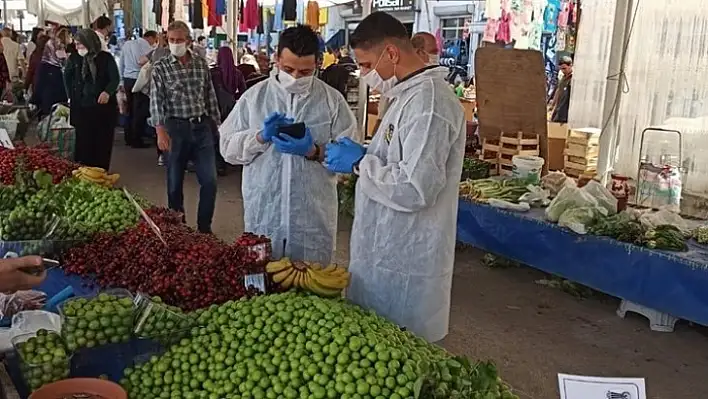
point(584, 387)
point(5, 139)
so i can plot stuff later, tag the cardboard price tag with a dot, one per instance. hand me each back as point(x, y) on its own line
point(255, 280)
point(5, 140)
point(584, 387)
point(145, 216)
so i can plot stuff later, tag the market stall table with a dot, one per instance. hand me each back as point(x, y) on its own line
point(670, 282)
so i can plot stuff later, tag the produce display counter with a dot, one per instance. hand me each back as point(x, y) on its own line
point(670, 282)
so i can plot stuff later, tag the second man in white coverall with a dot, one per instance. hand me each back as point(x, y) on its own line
point(288, 194)
point(405, 219)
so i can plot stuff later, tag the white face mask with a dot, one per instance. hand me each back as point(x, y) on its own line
point(293, 85)
point(376, 82)
point(433, 59)
point(82, 52)
point(178, 49)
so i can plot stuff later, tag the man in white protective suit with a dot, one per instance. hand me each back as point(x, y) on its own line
point(403, 239)
point(288, 194)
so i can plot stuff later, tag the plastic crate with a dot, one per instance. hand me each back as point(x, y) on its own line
point(37, 373)
point(156, 321)
point(81, 329)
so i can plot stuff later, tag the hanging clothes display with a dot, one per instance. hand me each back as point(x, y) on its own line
point(179, 10)
point(241, 17)
point(269, 20)
point(503, 28)
point(250, 14)
point(213, 18)
point(170, 11)
point(289, 10)
point(157, 10)
point(520, 22)
point(550, 15)
point(324, 16)
point(300, 11)
point(205, 9)
point(312, 16)
point(278, 16)
point(220, 7)
point(165, 20)
point(259, 29)
point(197, 16)
point(138, 13)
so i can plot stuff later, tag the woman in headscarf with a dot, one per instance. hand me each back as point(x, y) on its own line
point(34, 62)
point(91, 78)
point(48, 85)
point(229, 84)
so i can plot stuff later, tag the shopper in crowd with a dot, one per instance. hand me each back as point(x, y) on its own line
point(13, 278)
point(134, 55)
point(199, 47)
point(328, 58)
point(49, 82)
point(288, 195)
point(229, 84)
point(346, 60)
point(104, 29)
point(37, 33)
point(182, 102)
point(426, 46)
point(162, 50)
point(263, 61)
point(561, 99)
point(406, 195)
point(13, 54)
point(91, 78)
point(34, 62)
point(5, 81)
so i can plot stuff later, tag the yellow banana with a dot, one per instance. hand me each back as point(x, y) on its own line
point(282, 275)
point(288, 282)
point(91, 179)
point(75, 172)
point(93, 173)
point(113, 178)
point(278, 265)
point(330, 268)
point(328, 281)
point(298, 279)
point(306, 281)
point(324, 291)
point(340, 271)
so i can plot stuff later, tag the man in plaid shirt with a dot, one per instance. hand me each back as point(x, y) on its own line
point(184, 109)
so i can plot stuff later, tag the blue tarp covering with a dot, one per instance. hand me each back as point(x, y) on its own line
point(670, 282)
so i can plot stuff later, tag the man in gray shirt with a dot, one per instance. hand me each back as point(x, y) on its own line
point(134, 55)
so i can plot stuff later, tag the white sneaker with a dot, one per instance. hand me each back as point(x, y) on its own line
point(161, 160)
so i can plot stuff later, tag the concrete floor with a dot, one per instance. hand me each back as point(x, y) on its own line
point(531, 331)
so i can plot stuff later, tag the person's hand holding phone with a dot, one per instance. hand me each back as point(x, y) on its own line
point(15, 273)
point(286, 144)
point(271, 125)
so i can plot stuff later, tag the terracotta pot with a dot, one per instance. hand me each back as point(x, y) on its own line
point(90, 386)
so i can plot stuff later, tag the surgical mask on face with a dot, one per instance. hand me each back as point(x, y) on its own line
point(178, 49)
point(82, 52)
point(376, 82)
point(433, 59)
point(295, 85)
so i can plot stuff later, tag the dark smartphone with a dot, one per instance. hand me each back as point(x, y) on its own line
point(37, 270)
point(295, 130)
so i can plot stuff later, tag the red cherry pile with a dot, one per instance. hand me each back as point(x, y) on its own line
point(193, 271)
point(33, 158)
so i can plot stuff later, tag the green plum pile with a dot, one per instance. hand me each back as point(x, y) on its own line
point(44, 358)
point(294, 345)
point(35, 208)
point(89, 322)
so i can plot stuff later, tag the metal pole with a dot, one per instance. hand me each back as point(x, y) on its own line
point(4, 13)
point(40, 15)
point(362, 111)
point(624, 10)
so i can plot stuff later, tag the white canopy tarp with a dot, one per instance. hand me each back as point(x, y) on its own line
point(67, 12)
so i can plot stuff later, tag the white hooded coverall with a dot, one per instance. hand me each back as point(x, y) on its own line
point(403, 239)
point(286, 197)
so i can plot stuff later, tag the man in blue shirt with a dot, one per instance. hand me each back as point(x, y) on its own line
point(134, 55)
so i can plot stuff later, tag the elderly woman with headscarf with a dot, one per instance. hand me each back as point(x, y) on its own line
point(91, 78)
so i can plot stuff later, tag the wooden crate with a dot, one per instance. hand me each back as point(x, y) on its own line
point(586, 137)
point(499, 152)
point(581, 151)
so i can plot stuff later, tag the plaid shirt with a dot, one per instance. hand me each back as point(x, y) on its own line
point(182, 91)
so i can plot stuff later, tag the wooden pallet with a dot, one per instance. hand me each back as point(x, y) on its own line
point(499, 152)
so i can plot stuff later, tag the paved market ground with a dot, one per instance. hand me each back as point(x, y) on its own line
point(531, 331)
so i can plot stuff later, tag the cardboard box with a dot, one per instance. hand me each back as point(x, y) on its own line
point(557, 135)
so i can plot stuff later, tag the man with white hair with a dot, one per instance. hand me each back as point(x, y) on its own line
point(183, 108)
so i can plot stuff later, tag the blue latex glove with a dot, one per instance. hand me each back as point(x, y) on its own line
point(290, 145)
point(271, 124)
point(340, 157)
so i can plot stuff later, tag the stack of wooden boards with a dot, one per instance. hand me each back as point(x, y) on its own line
point(581, 152)
point(499, 152)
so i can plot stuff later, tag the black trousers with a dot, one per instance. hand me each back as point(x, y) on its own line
point(95, 131)
point(139, 116)
point(131, 137)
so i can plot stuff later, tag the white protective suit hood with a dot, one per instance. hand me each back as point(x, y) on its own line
point(286, 197)
point(403, 238)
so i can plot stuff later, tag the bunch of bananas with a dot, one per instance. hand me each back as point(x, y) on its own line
point(327, 281)
point(96, 175)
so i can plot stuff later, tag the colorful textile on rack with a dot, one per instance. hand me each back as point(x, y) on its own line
point(278, 16)
point(213, 18)
point(550, 15)
point(312, 15)
point(196, 9)
point(324, 16)
point(220, 7)
point(548, 49)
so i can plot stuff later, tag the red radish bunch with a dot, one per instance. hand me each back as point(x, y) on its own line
point(33, 158)
point(193, 271)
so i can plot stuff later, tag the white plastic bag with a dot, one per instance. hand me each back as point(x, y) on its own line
point(501, 204)
point(603, 196)
point(577, 219)
point(568, 197)
point(651, 220)
point(10, 304)
point(555, 181)
point(28, 322)
point(536, 196)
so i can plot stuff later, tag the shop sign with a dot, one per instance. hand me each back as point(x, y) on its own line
point(393, 5)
